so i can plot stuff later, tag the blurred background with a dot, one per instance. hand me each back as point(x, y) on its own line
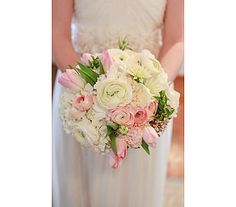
point(174, 191)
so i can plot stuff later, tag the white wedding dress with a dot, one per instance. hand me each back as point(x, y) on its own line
point(81, 177)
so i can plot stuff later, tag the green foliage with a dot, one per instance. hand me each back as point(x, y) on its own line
point(164, 110)
point(123, 44)
point(96, 63)
point(87, 74)
point(112, 134)
point(145, 147)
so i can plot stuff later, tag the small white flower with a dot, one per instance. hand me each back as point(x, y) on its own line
point(139, 73)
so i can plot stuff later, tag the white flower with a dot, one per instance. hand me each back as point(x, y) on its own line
point(173, 97)
point(113, 93)
point(157, 83)
point(139, 73)
point(141, 95)
point(149, 61)
point(88, 131)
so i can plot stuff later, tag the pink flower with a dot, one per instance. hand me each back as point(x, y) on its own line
point(140, 116)
point(83, 103)
point(116, 159)
point(121, 147)
point(150, 136)
point(122, 116)
point(106, 60)
point(86, 57)
point(70, 79)
point(134, 137)
point(152, 110)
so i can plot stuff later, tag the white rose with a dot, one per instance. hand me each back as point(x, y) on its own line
point(113, 93)
point(149, 61)
point(141, 95)
point(157, 83)
point(173, 97)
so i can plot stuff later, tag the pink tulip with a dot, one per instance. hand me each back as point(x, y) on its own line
point(106, 60)
point(152, 110)
point(86, 57)
point(122, 116)
point(114, 160)
point(70, 79)
point(150, 136)
point(140, 116)
point(83, 103)
point(121, 147)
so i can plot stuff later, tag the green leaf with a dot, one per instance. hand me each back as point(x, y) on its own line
point(164, 110)
point(145, 147)
point(112, 135)
point(101, 68)
point(113, 125)
point(87, 74)
point(123, 44)
point(85, 77)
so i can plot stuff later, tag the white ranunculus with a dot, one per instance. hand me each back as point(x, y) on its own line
point(113, 93)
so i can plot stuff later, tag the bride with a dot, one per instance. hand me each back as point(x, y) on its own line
point(81, 177)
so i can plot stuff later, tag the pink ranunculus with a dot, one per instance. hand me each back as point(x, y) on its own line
point(70, 79)
point(122, 116)
point(121, 147)
point(83, 103)
point(134, 137)
point(106, 60)
point(140, 116)
point(86, 57)
point(114, 160)
point(150, 136)
point(152, 110)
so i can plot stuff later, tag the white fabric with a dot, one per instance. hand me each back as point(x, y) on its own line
point(81, 177)
point(102, 22)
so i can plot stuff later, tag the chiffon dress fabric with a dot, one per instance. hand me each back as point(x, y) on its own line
point(82, 177)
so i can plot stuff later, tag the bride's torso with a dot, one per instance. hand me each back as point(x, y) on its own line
point(98, 24)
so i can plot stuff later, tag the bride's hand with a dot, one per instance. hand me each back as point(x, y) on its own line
point(63, 51)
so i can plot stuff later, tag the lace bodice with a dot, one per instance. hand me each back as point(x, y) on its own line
point(98, 24)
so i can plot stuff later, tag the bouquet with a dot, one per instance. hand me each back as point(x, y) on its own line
point(117, 100)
